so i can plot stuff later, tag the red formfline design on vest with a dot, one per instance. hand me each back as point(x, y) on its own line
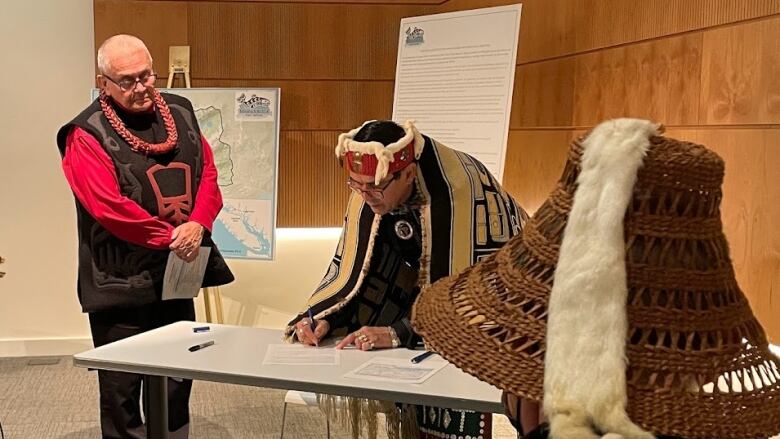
point(136, 143)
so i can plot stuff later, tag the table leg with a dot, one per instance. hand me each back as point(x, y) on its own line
point(156, 406)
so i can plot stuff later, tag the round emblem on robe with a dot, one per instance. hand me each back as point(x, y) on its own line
point(404, 229)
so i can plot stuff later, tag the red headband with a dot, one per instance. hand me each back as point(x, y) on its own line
point(365, 164)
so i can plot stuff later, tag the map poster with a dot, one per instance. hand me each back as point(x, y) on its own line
point(242, 128)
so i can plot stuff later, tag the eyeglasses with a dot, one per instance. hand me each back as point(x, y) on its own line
point(126, 84)
point(371, 190)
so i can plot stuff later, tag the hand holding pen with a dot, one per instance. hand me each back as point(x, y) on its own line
point(310, 331)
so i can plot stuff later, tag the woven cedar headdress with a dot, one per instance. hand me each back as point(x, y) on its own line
point(617, 306)
point(377, 160)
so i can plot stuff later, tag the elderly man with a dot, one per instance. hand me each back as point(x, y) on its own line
point(420, 211)
point(145, 185)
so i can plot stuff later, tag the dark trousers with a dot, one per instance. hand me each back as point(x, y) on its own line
point(120, 393)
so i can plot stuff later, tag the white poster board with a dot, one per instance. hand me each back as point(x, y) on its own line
point(454, 76)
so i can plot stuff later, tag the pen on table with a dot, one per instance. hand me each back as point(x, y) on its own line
point(201, 329)
point(312, 326)
point(200, 346)
point(422, 357)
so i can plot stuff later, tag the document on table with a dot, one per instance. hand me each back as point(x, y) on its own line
point(454, 75)
point(397, 370)
point(298, 354)
point(182, 280)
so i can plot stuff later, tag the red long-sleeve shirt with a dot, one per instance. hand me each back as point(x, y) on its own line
point(92, 177)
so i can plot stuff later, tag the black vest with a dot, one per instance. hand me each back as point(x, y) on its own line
point(114, 273)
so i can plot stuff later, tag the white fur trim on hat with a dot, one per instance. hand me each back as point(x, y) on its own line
point(384, 154)
point(585, 359)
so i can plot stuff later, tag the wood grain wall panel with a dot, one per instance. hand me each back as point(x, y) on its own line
point(312, 186)
point(613, 22)
point(323, 105)
point(543, 94)
point(750, 212)
point(534, 163)
point(741, 74)
point(657, 80)
point(551, 29)
point(380, 2)
point(546, 27)
point(158, 23)
point(295, 41)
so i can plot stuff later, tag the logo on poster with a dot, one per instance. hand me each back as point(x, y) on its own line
point(254, 107)
point(414, 36)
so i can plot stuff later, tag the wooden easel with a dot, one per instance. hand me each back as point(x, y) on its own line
point(207, 294)
point(179, 63)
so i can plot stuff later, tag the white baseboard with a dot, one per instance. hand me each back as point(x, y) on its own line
point(44, 347)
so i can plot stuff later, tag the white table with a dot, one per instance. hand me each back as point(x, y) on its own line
point(237, 358)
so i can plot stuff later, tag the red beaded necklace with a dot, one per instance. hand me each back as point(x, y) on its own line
point(135, 143)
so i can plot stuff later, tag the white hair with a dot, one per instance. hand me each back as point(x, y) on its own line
point(121, 41)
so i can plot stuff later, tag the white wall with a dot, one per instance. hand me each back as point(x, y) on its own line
point(268, 294)
point(47, 71)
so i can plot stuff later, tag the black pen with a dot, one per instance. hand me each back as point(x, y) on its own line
point(201, 329)
point(313, 326)
point(311, 321)
point(422, 357)
point(198, 347)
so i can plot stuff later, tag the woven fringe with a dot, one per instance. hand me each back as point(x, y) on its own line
point(359, 415)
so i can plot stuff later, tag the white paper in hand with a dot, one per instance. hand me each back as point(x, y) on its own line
point(183, 279)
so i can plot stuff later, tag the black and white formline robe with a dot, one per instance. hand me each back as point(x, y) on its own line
point(464, 215)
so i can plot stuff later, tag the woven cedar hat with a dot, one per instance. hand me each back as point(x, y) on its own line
point(617, 306)
point(375, 159)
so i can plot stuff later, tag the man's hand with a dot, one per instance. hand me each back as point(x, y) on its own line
point(308, 337)
point(368, 338)
point(186, 240)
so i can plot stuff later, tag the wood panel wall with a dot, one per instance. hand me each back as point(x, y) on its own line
point(334, 61)
point(707, 69)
